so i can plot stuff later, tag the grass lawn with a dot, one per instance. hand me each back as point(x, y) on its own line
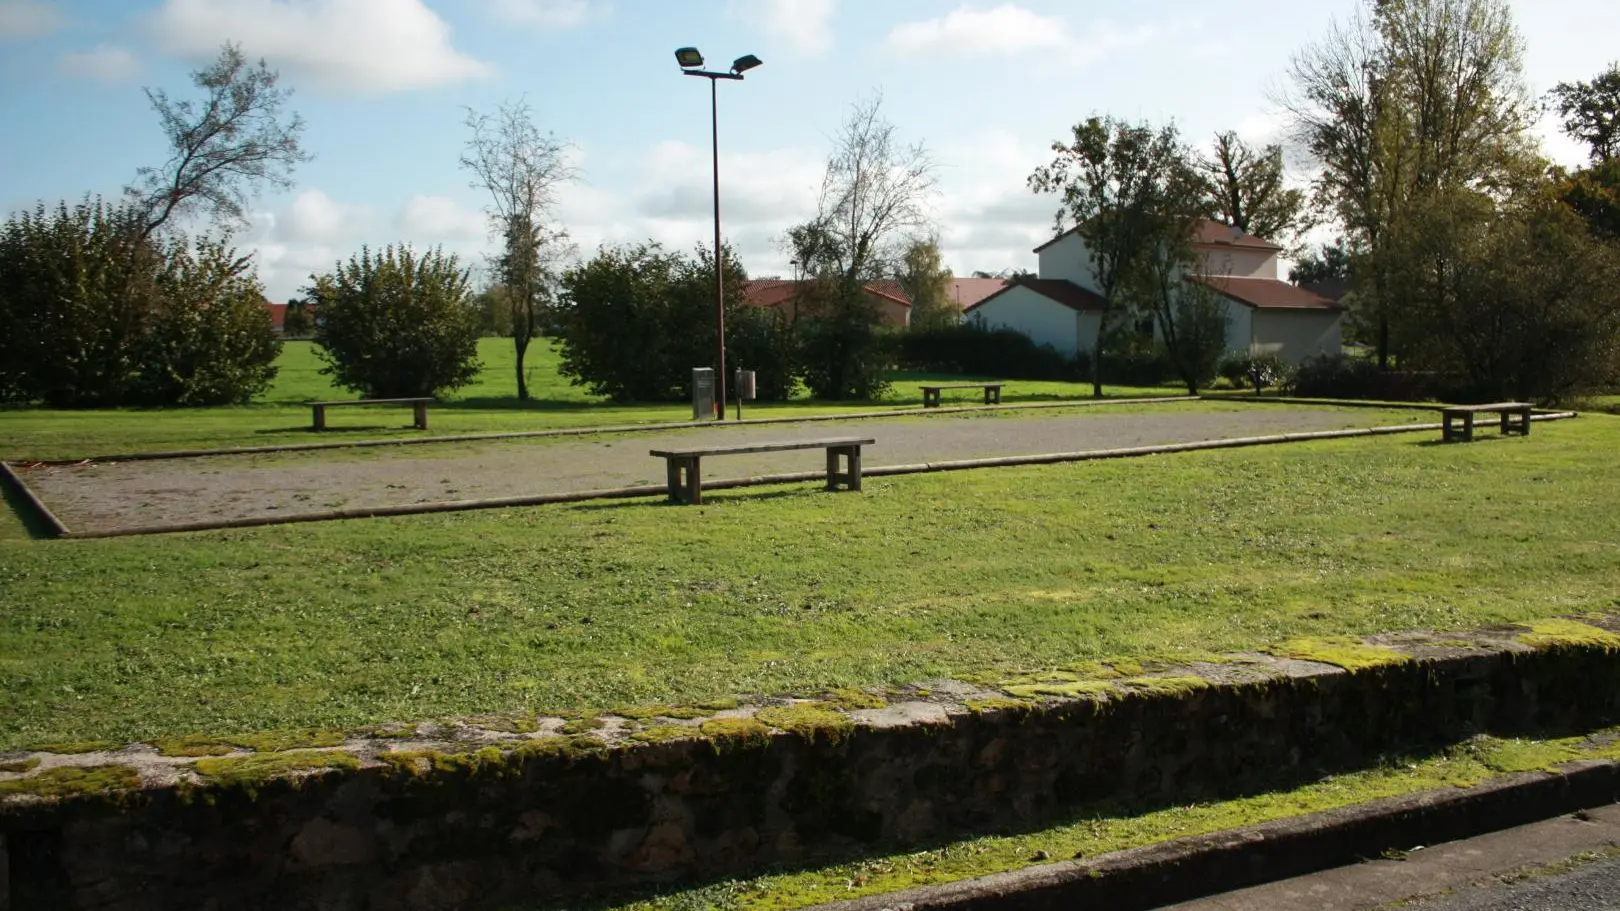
point(488, 405)
point(794, 590)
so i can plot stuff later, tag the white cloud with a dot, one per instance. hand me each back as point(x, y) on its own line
point(804, 26)
point(1006, 29)
point(315, 217)
point(432, 219)
point(103, 63)
point(21, 20)
point(339, 46)
point(544, 14)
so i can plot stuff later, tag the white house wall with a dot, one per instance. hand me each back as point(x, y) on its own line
point(1296, 335)
point(1239, 262)
point(1239, 325)
point(1044, 320)
point(1067, 258)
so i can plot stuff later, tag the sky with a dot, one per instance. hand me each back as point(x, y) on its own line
point(385, 85)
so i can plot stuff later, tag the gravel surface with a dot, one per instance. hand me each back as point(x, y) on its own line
point(112, 495)
point(1594, 887)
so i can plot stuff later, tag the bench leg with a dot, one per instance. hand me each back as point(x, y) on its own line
point(1524, 422)
point(849, 473)
point(930, 398)
point(421, 415)
point(1445, 429)
point(320, 416)
point(694, 482)
point(1468, 427)
point(992, 396)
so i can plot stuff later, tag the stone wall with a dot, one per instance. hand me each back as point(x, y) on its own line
point(392, 822)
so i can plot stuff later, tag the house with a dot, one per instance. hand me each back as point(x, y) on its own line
point(278, 316)
point(893, 305)
point(1265, 315)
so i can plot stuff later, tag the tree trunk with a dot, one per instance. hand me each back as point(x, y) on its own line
point(521, 341)
point(1096, 358)
point(1383, 341)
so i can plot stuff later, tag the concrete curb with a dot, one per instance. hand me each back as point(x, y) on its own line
point(1176, 871)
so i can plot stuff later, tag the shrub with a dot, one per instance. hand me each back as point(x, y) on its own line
point(93, 315)
point(396, 324)
point(1335, 376)
point(1258, 370)
point(972, 349)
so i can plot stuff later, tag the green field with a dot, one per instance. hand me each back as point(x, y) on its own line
point(794, 591)
point(488, 405)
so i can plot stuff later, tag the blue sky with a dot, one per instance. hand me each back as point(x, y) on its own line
point(383, 84)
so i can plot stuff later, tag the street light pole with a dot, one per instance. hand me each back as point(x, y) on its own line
point(719, 260)
point(690, 61)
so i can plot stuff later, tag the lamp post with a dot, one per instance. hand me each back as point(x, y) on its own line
point(691, 62)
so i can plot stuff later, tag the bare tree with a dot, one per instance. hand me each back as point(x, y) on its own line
point(874, 202)
point(521, 168)
point(874, 196)
point(224, 147)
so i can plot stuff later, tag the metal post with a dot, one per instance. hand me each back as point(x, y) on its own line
point(719, 261)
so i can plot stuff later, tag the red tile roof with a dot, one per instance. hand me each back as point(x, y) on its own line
point(965, 292)
point(1060, 290)
point(1266, 293)
point(278, 314)
point(1210, 233)
point(773, 292)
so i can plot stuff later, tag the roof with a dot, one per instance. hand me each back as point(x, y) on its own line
point(278, 314)
point(1210, 233)
point(1334, 289)
point(1266, 293)
point(965, 292)
point(773, 292)
point(1060, 290)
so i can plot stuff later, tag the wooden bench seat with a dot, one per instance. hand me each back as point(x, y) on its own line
point(1515, 419)
point(419, 405)
point(992, 392)
point(686, 477)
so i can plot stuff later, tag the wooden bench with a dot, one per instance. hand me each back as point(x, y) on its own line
point(685, 473)
point(418, 404)
point(992, 392)
point(1515, 419)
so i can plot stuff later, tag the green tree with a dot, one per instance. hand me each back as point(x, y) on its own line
point(521, 168)
point(1519, 300)
point(396, 324)
point(296, 320)
point(1189, 317)
point(926, 280)
point(93, 316)
point(1594, 194)
point(1591, 112)
point(637, 319)
point(1110, 180)
point(1417, 98)
point(1327, 263)
point(1247, 188)
point(222, 148)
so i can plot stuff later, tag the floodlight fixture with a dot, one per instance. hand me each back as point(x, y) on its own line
point(745, 63)
point(688, 57)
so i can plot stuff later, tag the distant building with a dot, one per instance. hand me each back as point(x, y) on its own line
point(782, 295)
point(1265, 315)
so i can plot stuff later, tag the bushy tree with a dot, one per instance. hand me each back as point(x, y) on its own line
point(926, 280)
point(396, 323)
point(93, 314)
point(1591, 112)
point(1247, 188)
point(297, 320)
point(637, 319)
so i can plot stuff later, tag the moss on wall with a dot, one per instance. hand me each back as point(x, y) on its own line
point(249, 772)
point(1351, 654)
point(1560, 632)
point(809, 721)
point(69, 781)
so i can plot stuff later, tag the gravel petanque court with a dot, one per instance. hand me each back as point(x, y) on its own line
point(107, 496)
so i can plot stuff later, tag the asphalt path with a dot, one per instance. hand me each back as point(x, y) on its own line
point(1593, 887)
